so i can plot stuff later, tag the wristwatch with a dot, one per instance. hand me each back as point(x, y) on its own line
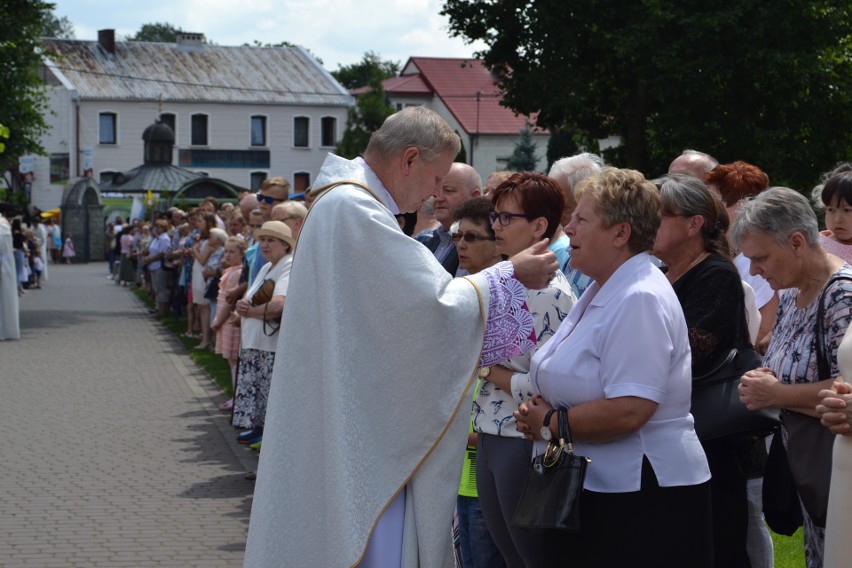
point(484, 372)
point(545, 432)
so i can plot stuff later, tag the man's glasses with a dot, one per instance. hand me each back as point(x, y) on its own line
point(269, 200)
point(505, 218)
point(470, 237)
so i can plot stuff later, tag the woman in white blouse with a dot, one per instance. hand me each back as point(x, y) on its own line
point(621, 364)
point(259, 324)
point(527, 208)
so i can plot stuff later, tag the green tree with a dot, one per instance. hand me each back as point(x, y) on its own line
point(370, 69)
point(58, 27)
point(371, 106)
point(370, 111)
point(23, 105)
point(765, 82)
point(462, 155)
point(523, 158)
point(156, 32)
point(561, 144)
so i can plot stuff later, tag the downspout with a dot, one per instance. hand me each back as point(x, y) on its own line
point(76, 98)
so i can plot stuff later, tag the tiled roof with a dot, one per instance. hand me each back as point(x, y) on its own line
point(149, 176)
point(456, 82)
point(204, 73)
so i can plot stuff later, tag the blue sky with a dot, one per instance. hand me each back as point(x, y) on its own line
point(337, 31)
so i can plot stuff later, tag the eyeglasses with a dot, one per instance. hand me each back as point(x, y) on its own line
point(505, 218)
point(269, 200)
point(256, 226)
point(470, 237)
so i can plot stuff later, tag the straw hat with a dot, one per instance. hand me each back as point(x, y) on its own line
point(276, 230)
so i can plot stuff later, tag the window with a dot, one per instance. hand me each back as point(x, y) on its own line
point(301, 182)
point(107, 128)
point(170, 119)
point(106, 176)
point(329, 131)
point(199, 130)
point(257, 179)
point(258, 131)
point(300, 131)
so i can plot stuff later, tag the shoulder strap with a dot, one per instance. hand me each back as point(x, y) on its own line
point(823, 364)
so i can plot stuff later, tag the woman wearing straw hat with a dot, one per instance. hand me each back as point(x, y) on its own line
point(260, 311)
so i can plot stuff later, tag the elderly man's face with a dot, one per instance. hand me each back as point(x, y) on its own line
point(423, 180)
point(454, 193)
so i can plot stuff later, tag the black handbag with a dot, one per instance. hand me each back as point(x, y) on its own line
point(781, 506)
point(212, 290)
point(716, 404)
point(809, 443)
point(551, 495)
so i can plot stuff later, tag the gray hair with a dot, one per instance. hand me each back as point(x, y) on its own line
point(574, 169)
point(292, 208)
point(778, 212)
point(688, 195)
point(218, 234)
point(417, 127)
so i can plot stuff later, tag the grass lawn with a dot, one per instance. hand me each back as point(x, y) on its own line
point(789, 550)
point(214, 365)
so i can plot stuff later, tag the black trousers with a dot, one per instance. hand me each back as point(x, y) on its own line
point(655, 527)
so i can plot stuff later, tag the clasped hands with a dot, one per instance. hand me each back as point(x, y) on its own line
point(529, 417)
point(835, 407)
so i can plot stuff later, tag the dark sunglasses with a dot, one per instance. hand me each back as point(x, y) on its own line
point(268, 199)
point(470, 237)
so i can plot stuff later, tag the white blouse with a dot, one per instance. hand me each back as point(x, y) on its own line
point(252, 335)
point(628, 338)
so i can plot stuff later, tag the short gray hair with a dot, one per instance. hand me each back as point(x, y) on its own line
point(683, 194)
point(778, 212)
point(417, 127)
point(575, 169)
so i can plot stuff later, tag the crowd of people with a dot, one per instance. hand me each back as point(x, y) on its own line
point(34, 246)
point(394, 336)
point(424, 303)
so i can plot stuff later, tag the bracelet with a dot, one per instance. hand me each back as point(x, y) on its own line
point(547, 417)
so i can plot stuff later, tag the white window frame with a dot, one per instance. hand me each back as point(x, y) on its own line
point(114, 115)
point(192, 131)
point(308, 131)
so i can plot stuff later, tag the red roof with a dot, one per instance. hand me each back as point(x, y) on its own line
point(456, 82)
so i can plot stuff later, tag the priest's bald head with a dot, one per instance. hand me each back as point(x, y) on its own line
point(411, 153)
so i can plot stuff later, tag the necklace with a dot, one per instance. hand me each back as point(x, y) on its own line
point(674, 278)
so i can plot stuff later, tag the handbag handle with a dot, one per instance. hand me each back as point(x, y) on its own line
point(565, 438)
point(823, 364)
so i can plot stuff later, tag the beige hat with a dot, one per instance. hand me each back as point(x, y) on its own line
point(276, 230)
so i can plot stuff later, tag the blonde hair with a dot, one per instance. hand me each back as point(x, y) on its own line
point(237, 242)
point(625, 196)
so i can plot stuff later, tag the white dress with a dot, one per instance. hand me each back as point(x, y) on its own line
point(838, 528)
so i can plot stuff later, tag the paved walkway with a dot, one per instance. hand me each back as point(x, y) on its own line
point(113, 453)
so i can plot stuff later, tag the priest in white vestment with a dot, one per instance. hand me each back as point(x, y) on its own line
point(366, 428)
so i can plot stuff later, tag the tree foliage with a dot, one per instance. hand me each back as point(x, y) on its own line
point(371, 107)
point(157, 32)
point(23, 104)
point(61, 28)
point(523, 158)
point(369, 70)
point(765, 82)
point(370, 111)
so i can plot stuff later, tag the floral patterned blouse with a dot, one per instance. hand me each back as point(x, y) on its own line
point(792, 350)
point(493, 407)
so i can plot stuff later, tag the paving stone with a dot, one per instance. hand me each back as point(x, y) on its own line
point(114, 453)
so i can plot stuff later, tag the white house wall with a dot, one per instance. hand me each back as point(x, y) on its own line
point(228, 129)
point(489, 152)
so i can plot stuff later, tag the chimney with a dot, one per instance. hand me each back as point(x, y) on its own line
point(106, 39)
point(190, 39)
